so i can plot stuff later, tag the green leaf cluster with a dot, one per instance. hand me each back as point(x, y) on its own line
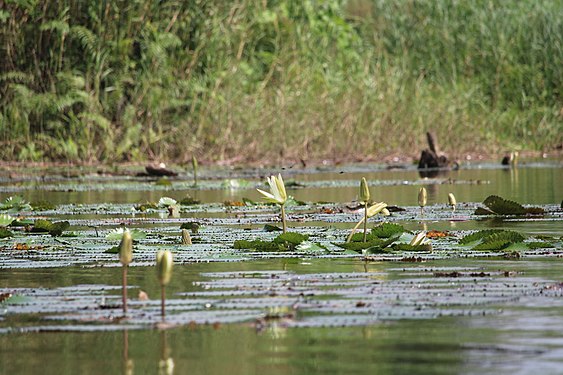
point(499, 206)
point(492, 239)
point(55, 229)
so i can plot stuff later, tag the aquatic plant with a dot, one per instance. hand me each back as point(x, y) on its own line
point(364, 197)
point(277, 195)
point(419, 239)
point(452, 201)
point(186, 238)
point(499, 206)
point(5, 220)
point(164, 263)
point(422, 199)
point(194, 167)
point(125, 257)
point(373, 210)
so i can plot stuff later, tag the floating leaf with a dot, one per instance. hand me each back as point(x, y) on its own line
point(310, 246)
point(164, 181)
point(477, 236)
point(386, 230)
point(500, 206)
point(258, 245)
point(272, 228)
point(499, 240)
point(146, 206)
point(189, 201)
point(407, 247)
point(117, 234)
point(5, 220)
point(291, 238)
point(15, 203)
point(54, 229)
point(5, 233)
point(42, 206)
point(539, 245)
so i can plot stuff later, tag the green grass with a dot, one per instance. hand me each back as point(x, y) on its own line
point(244, 81)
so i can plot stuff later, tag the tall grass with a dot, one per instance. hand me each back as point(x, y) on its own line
point(254, 80)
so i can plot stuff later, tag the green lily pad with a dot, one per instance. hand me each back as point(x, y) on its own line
point(117, 234)
point(5, 233)
point(272, 228)
point(386, 230)
point(42, 206)
point(5, 220)
point(500, 206)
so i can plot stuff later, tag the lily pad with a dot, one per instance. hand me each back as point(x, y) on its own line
point(500, 206)
point(5, 233)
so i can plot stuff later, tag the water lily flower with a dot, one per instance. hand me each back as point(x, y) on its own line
point(422, 199)
point(277, 195)
point(419, 239)
point(451, 201)
point(277, 192)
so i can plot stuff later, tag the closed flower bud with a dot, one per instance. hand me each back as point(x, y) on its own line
point(164, 265)
point(126, 248)
point(422, 197)
point(186, 238)
point(364, 195)
point(451, 200)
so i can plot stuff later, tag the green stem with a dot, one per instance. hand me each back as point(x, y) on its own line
point(162, 302)
point(283, 218)
point(354, 230)
point(124, 291)
point(365, 222)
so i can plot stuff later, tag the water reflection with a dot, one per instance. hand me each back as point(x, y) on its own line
point(128, 365)
point(166, 363)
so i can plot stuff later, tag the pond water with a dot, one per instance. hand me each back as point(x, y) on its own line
point(449, 311)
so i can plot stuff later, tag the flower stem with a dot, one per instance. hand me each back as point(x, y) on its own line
point(283, 218)
point(124, 291)
point(365, 221)
point(162, 301)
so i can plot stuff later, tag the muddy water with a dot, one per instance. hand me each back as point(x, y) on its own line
point(347, 316)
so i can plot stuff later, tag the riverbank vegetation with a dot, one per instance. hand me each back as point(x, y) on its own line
point(247, 80)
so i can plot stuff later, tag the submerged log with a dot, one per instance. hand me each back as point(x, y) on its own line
point(431, 157)
point(160, 171)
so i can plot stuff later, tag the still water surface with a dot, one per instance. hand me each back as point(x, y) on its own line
point(520, 337)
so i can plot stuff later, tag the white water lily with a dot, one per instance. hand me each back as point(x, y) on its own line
point(277, 192)
point(419, 239)
point(277, 195)
point(166, 201)
point(452, 201)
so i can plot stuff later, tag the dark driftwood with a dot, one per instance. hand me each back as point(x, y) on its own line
point(431, 157)
point(159, 171)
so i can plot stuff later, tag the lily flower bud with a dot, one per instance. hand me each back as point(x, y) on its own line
point(164, 265)
point(422, 197)
point(126, 248)
point(364, 195)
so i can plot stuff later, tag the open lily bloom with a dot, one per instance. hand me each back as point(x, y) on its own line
point(277, 192)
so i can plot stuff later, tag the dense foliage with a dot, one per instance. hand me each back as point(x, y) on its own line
point(241, 80)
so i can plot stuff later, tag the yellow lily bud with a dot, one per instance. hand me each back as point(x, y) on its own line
point(385, 212)
point(364, 191)
point(422, 197)
point(126, 248)
point(451, 200)
point(376, 208)
point(186, 238)
point(419, 239)
point(164, 265)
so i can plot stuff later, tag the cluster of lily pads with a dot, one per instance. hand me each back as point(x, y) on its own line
point(384, 238)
